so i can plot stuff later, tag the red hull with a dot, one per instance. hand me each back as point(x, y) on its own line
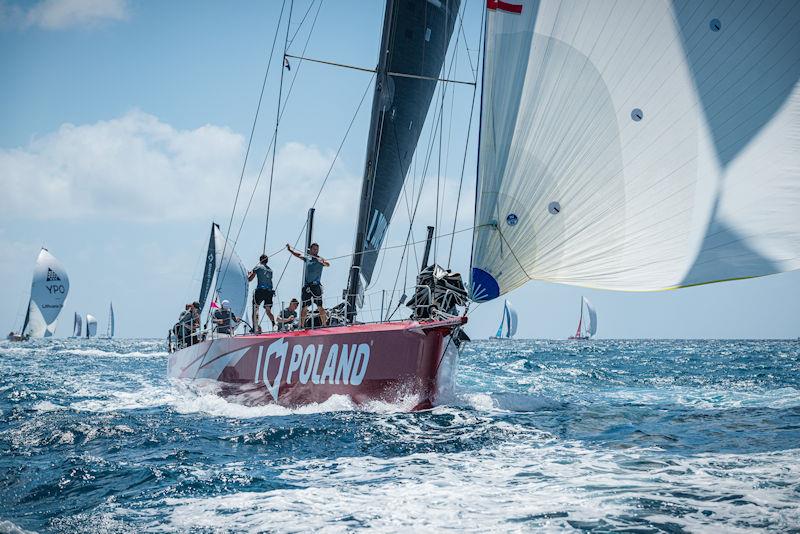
point(386, 361)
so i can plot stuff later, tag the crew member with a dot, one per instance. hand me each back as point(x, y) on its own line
point(224, 319)
point(288, 316)
point(263, 293)
point(312, 284)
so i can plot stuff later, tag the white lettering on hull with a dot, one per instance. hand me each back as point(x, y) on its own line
point(342, 364)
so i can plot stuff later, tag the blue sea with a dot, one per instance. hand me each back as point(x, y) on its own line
point(645, 436)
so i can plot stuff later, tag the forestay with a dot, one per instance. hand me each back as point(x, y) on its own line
point(49, 289)
point(638, 145)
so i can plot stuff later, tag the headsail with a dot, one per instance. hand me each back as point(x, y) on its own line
point(591, 328)
point(638, 146)
point(49, 289)
point(110, 326)
point(91, 326)
point(511, 319)
point(231, 279)
point(415, 38)
point(77, 325)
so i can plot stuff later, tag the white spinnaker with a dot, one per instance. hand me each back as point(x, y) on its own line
point(49, 290)
point(231, 283)
point(591, 328)
point(91, 326)
point(638, 145)
point(511, 318)
point(77, 325)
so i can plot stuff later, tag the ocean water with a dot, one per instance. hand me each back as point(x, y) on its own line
point(648, 436)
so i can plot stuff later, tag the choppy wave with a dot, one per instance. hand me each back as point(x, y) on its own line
point(541, 435)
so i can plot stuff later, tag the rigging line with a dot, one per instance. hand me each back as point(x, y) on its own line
point(388, 73)
point(510, 249)
point(269, 147)
point(330, 170)
point(253, 129)
point(461, 180)
point(277, 124)
point(392, 247)
point(300, 25)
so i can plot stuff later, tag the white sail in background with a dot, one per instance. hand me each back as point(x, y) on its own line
point(77, 325)
point(110, 325)
point(591, 327)
point(91, 326)
point(231, 281)
point(511, 321)
point(49, 289)
point(638, 145)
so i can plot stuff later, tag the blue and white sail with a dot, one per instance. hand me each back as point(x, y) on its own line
point(638, 145)
point(49, 290)
point(508, 324)
point(225, 276)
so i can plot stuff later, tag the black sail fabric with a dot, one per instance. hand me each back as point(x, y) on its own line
point(414, 45)
point(211, 266)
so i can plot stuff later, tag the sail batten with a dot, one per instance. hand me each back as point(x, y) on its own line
point(638, 148)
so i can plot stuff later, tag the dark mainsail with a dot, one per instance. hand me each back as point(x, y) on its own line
point(211, 266)
point(416, 34)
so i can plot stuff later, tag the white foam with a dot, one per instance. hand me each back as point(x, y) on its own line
point(510, 488)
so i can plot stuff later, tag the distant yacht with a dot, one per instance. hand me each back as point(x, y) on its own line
point(587, 327)
point(110, 324)
point(49, 289)
point(77, 325)
point(91, 326)
point(508, 323)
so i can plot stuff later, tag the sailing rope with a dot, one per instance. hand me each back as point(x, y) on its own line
point(277, 123)
point(252, 133)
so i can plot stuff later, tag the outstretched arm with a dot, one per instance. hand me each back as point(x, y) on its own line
point(293, 252)
point(250, 276)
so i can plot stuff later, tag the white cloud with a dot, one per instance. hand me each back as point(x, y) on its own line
point(61, 14)
point(139, 168)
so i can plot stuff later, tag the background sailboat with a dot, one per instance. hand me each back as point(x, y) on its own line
point(587, 325)
point(110, 324)
point(77, 325)
point(508, 323)
point(91, 326)
point(49, 289)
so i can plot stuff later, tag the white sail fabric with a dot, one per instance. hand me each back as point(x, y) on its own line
point(91, 326)
point(110, 326)
point(77, 325)
point(638, 145)
point(231, 283)
point(49, 289)
point(511, 319)
point(591, 328)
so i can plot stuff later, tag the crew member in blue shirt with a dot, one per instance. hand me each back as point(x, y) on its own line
point(312, 285)
point(263, 293)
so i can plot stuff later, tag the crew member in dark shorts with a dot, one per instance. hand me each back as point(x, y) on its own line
point(263, 293)
point(288, 316)
point(312, 284)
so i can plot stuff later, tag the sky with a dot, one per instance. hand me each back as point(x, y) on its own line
point(123, 131)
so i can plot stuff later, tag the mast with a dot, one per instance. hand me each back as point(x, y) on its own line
point(373, 141)
point(309, 237)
